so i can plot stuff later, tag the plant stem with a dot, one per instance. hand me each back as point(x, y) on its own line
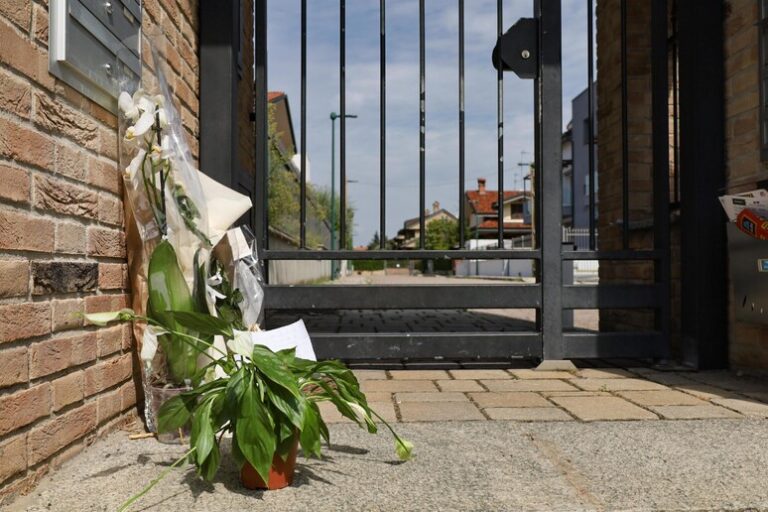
point(154, 482)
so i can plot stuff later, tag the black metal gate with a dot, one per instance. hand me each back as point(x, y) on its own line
point(551, 295)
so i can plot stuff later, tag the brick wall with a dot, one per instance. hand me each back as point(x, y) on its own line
point(748, 343)
point(62, 245)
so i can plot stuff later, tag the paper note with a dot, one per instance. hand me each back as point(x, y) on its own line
point(290, 336)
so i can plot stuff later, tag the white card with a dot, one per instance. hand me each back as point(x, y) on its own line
point(290, 336)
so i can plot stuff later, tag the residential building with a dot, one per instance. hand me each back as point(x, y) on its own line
point(409, 236)
point(482, 206)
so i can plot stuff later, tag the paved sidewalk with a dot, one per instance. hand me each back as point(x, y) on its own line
point(459, 466)
point(485, 440)
point(590, 394)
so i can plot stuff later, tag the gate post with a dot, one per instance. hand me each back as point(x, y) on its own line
point(550, 163)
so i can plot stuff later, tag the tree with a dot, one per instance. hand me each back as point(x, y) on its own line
point(442, 234)
point(375, 241)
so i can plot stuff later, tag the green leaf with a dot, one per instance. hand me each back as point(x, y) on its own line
point(310, 430)
point(404, 449)
point(256, 432)
point(210, 465)
point(102, 319)
point(291, 406)
point(175, 413)
point(274, 369)
point(237, 454)
point(234, 393)
point(202, 432)
point(201, 323)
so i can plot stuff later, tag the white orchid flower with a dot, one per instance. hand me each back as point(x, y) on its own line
point(127, 106)
point(162, 151)
point(241, 344)
point(141, 127)
point(135, 165)
point(149, 342)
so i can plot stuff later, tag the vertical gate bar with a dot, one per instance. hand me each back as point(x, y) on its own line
point(422, 125)
point(462, 213)
point(624, 132)
point(303, 135)
point(382, 125)
point(342, 125)
point(675, 107)
point(550, 110)
point(660, 121)
point(590, 117)
point(261, 118)
point(500, 129)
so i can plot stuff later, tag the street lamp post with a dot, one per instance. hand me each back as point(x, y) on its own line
point(334, 117)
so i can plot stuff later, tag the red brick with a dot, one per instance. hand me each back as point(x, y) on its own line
point(56, 117)
point(56, 354)
point(22, 55)
point(15, 182)
point(25, 145)
point(19, 12)
point(127, 336)
point(110, 210)
point(24, 407)
point(67, 390)
point(65, 198)
point(15, 95)
point(110, 340)
point(128, 391)
point(24, 232)
point(104, 303)
point(67, 314)
point(57, 433)
point(108, 143)
point(40, 24)
point(107, 374)
point(105, 242)
point(20, 321)
point(14, 367)
point(113, 276)
point(70, 238)
point(14, 278)
point(72, 161)
point(104, 175)
point(110, 405)
point(13, 453)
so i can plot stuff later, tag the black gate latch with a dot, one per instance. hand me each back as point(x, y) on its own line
point(518, 49)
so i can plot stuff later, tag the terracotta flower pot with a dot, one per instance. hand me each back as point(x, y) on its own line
point(280, 474)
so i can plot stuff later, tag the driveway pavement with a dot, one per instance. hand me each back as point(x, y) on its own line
point(486, 440)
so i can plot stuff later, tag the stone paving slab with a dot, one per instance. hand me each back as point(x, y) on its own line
point(616, 384)
point(564, 466)
point(693, 412)
point(705, 391)
point(602, 408)
point(439, 411)
point(331, 415)
point(431, 397)
point(744, 406)
point(459, 385)
point(397, 385)
point(543, 374)
point(528, 385)
point(419, 374)
point(605, 373)
point(528, 414)
point(507, 399)
point(660, 397)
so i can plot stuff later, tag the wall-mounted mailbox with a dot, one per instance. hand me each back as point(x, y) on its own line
point(748, 260)
point(91, 42)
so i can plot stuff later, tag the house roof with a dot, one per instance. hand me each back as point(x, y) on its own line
point(493, 224)
point(274, 95)
point(441, 211)
point(482, 203)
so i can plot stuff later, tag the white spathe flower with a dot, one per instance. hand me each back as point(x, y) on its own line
point(241, 344)
point(127, 106)
point(149, 342)
point(135, 165)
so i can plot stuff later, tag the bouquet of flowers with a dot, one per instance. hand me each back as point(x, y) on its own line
point(197, 300)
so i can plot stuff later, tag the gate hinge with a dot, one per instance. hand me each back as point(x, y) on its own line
point(518, 49)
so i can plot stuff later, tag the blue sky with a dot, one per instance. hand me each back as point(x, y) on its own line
point(362, 96)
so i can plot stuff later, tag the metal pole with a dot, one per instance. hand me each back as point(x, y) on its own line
point(333, 191)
